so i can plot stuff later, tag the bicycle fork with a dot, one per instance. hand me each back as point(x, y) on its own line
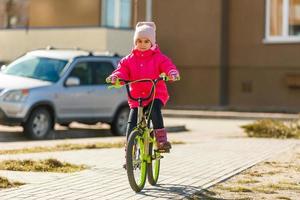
point(146, 135)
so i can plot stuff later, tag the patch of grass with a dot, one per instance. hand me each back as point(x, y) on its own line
point(284, 198)
point(253, 173)
point(273, 163)
point(5, 183)
point(272, 172)
point(247, 181)
point(269, 128)
point(69, 147)
point(264, 189)
point(64, 147)
point(234, 188)
point(283, 185)
point(48, 165)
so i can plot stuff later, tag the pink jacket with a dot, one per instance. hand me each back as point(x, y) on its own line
point(148, 64)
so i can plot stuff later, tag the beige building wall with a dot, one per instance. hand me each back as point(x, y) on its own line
point(258, 71)
point(16, 42)
point(3, 17)
point(189, 33)
point(56, 13)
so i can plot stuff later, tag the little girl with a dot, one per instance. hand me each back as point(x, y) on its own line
point(146, 62)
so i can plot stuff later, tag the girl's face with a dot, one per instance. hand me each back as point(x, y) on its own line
point(142, 44)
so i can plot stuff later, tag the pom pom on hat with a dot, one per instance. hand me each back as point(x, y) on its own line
point(145, 30)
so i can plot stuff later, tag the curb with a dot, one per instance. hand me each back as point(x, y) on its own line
point(174, 129)
point(227, 115)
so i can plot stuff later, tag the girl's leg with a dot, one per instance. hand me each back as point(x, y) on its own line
point(158, 126)
point(132, 120)
point(156, 116)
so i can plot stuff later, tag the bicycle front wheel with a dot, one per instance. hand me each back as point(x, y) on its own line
point(136, 165)
point(153, 167)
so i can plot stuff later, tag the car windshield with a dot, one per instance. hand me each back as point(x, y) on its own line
point(46, 69)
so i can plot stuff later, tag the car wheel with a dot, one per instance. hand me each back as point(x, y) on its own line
point(119, 124)
point(39, 124)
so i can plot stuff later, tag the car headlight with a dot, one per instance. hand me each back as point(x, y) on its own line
point(16, 95)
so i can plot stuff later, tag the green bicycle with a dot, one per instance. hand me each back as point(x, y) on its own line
point(142, 155)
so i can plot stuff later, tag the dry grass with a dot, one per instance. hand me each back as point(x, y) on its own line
point(237, 188)
point(253, 173)
point(48, 165)
point(283, 198)
point(69, 147)
point(269, 128)
point(5, 183)
point(63, 147)
point(247, 181)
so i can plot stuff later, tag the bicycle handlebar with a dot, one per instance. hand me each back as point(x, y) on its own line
point(153, 81)
point(128, 82)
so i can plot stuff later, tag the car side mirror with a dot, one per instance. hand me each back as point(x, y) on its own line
point(72, 81)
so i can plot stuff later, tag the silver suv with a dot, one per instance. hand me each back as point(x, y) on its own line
point(50, 86)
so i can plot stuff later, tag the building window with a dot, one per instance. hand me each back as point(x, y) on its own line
point(283, 20)
point(116, 13)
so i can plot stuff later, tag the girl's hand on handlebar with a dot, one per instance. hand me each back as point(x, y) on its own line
point(174, 75)
point(112, 79)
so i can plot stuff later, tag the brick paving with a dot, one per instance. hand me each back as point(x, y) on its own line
point(189, 168)
point(212, 154)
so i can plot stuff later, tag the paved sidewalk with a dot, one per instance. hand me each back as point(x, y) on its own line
point(216, 149)
point(188, 169)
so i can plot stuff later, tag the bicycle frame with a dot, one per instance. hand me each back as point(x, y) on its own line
point(142, 127)
point(141, 143)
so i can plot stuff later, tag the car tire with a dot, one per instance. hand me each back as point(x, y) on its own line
point(119, 124)
point(39, 124)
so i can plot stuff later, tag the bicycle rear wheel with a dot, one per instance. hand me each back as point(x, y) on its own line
point(136, 166)
point(153, 168)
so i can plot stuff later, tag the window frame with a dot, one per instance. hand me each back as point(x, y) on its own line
point(285, 37)
point(94, 71)
point(91, 64)
point(117, 15)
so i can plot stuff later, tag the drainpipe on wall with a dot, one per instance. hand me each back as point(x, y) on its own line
point(224, 68)
point(149, 10)
point(135, 12)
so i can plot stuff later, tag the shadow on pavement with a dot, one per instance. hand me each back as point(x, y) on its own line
point(70, 133)
point(79, 133)
point(171, 191)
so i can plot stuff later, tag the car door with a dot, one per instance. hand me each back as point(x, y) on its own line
point(77, 101)
point(105, 101)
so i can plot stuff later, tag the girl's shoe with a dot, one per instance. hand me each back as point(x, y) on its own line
point(162, 142)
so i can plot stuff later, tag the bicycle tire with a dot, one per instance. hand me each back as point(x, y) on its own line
point(153, 168)
point(134, 153)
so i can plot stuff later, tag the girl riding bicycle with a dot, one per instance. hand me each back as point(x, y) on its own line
point(146, 62)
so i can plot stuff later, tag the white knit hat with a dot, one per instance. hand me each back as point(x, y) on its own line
point(145, 30)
